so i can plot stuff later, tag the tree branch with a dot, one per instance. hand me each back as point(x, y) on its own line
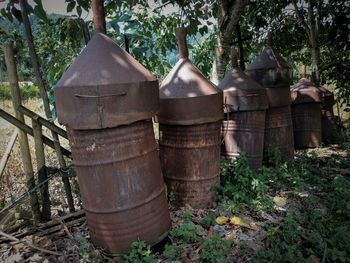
point(301, 17)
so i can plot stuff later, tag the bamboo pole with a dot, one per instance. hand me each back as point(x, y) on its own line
point(98, 19)
point(29, 130)
point(22, 137)
point(42, 121)
point(7, 152)
point(41, 169)
point(43, 93)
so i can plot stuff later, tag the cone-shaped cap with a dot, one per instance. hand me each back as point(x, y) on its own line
point(269, 58)
point(305, 91)
point(186, 96)
point(241, 93)
point(269, 68)
point(105, 87)
point(103, 62)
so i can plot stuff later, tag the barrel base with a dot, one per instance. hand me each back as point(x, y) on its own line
point(190, 159)
point(279, 132)
point(307, 125)
point(329, 128)
point(244, 132)
point(121, 184)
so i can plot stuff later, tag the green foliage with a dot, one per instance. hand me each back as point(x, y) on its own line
point(215, 250)
point(171, 198)
point(208, 220)
point(188, 232)
point(240, 185)
point(5, 92)
point(320, 230)
point(173, 252)
point(140, 253)
point(343, 138)
point(83, 250)
point(29, 92)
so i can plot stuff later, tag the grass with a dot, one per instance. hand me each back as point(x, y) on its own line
point(27, 92)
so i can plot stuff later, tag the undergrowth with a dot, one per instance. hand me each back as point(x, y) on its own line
point(27, 92)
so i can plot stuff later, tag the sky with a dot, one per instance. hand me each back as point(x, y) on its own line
point(51, 6)
point(59, 7)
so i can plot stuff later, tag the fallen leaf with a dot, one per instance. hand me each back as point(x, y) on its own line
point(35, 258)
point(14, 258)
point(221, 220)
point(280, 201)
point(243, 223)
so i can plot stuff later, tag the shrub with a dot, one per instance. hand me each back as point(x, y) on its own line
point(140, 253)
point(188, 232)
point(215, 250)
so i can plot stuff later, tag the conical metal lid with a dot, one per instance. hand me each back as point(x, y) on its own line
point(186, 96)
point(305, 91)
point(269, 68)
point(241, 93)
point(269, 58)
point(105, 87)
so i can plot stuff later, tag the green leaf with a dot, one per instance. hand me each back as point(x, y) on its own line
point(17, 14)
point(70, 6)
point(8, 15)
point(79, 10)
point(39, 10)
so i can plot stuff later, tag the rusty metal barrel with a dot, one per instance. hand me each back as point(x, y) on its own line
point(306, 113)
point(329, 128)
point(189, 124)
point(107, 99)
point(245, 104)
point(273, 72)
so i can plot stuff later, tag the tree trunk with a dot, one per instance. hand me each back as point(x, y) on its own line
point(98, 19)
point(314, 39)
point(43, 93)
point(22, 137)
point(315, 58)
point(240, 47)
point(228, 17)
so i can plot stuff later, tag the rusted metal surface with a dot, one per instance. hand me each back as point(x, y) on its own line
point(307, 125)
point(279, 132)
point(329, 128)
point(245, 104)
point(306, 112)
point(244, 132)
point(270, 69)
point(274, 73)
point(305, 91)
point(105, 87)
point(186, 96)
point(121, 184)
point(191, 110)
point(190, 159)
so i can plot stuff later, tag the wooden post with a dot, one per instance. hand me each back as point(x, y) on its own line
point(98, 13)
point(28, 130)
point(22, 137)
point(43, 93)
point(7, 152)
point(41, 169)
point(240, 46)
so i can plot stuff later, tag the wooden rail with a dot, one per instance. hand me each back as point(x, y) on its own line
point(43, 121)
point(22, 126)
